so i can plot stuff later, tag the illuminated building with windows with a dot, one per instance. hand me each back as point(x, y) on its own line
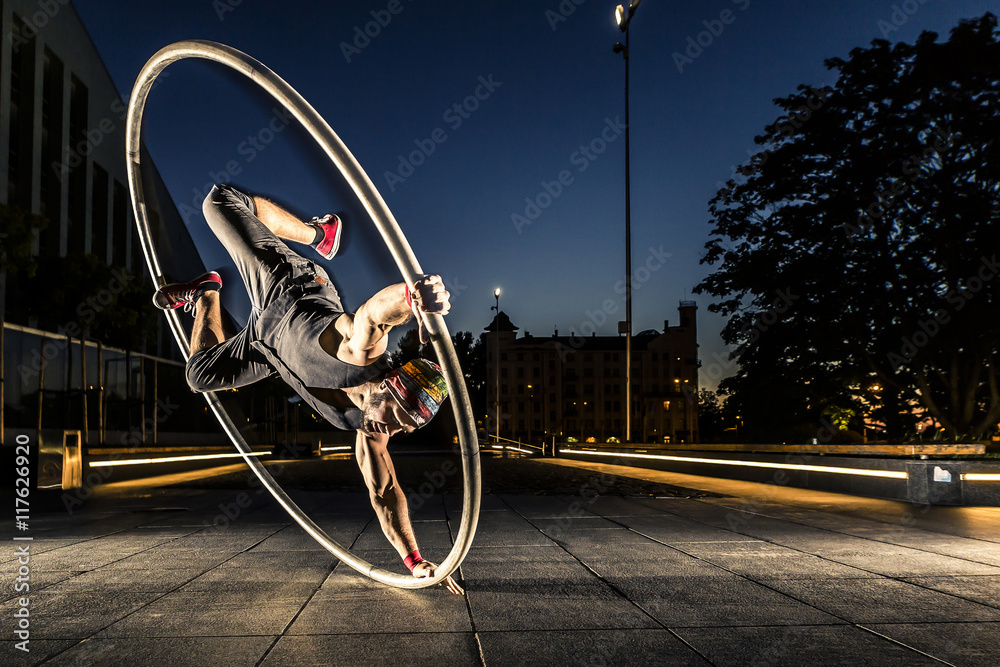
point(573, 386)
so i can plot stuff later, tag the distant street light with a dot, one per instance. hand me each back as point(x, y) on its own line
point(496, 328)
point(622, 19)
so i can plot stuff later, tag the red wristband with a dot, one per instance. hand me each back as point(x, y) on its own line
point(409, 302)
point(412, 560)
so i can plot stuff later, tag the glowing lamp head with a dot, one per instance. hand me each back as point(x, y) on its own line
point(496, 292)
point(620, 17)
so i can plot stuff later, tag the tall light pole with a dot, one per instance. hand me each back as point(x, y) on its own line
point(623, 17)
point(496, 329)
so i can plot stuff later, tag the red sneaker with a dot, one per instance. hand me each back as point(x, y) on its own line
point(185, 295)
point(329, 243)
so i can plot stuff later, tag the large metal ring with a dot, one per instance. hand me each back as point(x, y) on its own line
point(397, 245)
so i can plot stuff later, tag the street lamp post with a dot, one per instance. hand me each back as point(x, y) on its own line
point(623, 17)
point(496, 328)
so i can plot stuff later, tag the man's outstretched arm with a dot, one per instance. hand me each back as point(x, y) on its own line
point(389, 502)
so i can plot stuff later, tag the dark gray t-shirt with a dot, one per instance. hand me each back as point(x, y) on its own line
point(289, 331)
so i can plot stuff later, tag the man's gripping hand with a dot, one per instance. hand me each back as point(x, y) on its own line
point(428, 295)
point(426, 568)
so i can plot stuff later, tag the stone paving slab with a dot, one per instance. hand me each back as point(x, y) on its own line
point(884, 601)
point(982, 589)
point(718, 601)
point(968, 644)
point(382, 612)
point(391, 650)
point(764, 560)
point(652, 646)
point(172, 651)
point(839, 645)
point(563, 607)
point(765, 576)
point(158, 580)
point(78, 614)
point(206, 614)
point(676, 530)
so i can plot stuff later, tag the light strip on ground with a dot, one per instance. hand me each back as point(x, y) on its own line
point(169, 459)
point(339, 448)
point(523, 451)
point(981, 477)
point(893, 474)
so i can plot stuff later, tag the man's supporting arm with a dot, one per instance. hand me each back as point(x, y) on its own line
point(389, 502)
point(387, 498)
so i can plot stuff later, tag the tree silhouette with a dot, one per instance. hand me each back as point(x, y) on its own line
point(17, 234)
point(858, 247)
point(109, 303)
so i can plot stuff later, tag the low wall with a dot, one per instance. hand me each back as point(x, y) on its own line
point(935, 482)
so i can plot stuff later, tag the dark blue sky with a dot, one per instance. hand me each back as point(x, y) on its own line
point(554, 86)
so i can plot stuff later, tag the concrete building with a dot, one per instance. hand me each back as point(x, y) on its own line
point(62, 147)
point(573, 386)
point(62, 156)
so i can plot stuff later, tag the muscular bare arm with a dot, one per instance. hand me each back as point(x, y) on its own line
point(387, 498)
point(389, 501)
point(364, 333)
point(366, 336)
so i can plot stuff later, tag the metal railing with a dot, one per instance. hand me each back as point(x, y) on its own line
point(513, 445)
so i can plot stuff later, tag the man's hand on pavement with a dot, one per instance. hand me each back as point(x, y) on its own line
point(426, 569)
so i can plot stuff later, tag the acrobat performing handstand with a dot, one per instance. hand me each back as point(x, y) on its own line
point(298, 330)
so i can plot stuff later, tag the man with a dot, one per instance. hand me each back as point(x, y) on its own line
point(298, 329)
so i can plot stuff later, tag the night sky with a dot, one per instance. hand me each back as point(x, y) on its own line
point(550, 103)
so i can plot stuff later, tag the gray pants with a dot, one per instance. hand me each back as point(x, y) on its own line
point(268, 267)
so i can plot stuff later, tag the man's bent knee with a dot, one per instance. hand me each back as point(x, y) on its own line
point(196, 383)
point(223, 194)
point(197, 379)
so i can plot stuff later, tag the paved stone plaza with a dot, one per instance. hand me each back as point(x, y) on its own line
point(761, 575)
